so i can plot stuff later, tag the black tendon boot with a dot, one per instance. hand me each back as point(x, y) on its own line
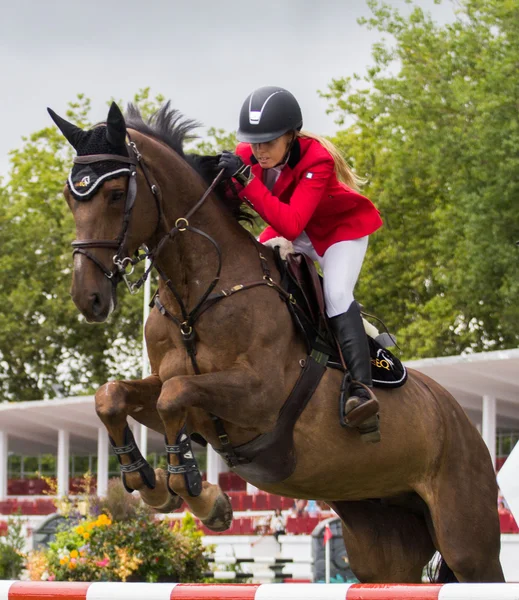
point(360, 410)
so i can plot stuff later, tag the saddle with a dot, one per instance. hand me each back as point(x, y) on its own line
point(300, 278)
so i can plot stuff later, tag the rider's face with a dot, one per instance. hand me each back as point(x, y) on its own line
point(269, 154)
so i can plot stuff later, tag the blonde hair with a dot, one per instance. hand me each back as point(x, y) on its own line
point(342, 169)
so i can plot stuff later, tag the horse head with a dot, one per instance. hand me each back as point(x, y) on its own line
point(111, 225)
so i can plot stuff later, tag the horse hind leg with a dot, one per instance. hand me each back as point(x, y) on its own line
point(385, 543)
point(116, 400)
point(465, 522)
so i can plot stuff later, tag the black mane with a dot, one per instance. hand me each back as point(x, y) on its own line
point(170, 126)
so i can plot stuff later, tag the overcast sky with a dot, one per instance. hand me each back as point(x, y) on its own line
point(204, 55)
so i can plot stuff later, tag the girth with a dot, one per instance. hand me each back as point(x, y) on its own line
point(271, 457)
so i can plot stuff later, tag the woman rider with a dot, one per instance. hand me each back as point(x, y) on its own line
point(302, 187)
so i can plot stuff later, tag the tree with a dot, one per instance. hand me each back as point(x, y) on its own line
point(216, 141)
point(434, 127)
point(46, 347)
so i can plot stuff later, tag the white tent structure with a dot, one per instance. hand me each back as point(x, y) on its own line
point(485, 384)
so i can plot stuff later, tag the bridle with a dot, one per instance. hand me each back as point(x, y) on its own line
point(121, 260)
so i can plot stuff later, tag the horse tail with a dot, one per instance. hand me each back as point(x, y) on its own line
point(438, 571)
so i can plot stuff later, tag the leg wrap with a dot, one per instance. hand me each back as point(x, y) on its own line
point(188, 465)
point(139, 463)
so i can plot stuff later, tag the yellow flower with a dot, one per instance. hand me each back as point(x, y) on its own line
point(62, 561)
point(72, 565)
point(86, 535)
point(65, 559)
point(90, 526)
point(80, 529)
point(74, 554)
point(103, 520)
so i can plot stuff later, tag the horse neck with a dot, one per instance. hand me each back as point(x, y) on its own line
point(190, 260)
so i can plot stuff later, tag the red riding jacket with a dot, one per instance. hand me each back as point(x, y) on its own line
point(309, 197)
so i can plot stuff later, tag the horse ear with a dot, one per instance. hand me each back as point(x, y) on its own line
point(73, 133)
point(115, 127)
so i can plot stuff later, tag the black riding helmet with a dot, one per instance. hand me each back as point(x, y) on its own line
point(268, 113)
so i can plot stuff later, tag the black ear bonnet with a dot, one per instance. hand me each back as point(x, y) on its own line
point(84, 179)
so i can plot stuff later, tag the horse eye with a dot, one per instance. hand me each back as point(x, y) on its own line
point(116, 195)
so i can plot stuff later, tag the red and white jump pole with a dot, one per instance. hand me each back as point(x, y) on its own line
point(32, 590)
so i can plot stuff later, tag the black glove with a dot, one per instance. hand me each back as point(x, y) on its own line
point(234, 166)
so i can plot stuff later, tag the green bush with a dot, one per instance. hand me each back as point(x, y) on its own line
point(12, 557)
point(121, 539)
point(142, 548)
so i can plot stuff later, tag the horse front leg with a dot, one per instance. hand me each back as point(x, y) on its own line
point(114, 401)
point(217, 393)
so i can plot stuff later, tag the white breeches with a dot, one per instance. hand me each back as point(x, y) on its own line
point(341, 266)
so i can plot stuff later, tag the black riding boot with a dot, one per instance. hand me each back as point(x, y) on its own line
point(360, 410)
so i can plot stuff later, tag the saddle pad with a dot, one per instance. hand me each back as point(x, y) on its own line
point(386, 369)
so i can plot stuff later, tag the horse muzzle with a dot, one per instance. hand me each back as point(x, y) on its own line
point(96, 307)
point(93, 294)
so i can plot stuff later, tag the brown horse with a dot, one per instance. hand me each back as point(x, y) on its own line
point(428, 485)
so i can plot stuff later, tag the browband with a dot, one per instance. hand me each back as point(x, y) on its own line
point(93, 158)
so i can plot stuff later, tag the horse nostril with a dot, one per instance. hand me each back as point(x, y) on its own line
point(96, 304)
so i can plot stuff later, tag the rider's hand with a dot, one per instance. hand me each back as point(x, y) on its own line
point(233, 166)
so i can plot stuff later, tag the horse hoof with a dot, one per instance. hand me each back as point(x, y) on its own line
point(220, 518)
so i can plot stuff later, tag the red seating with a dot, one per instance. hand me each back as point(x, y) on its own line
point(507, 522)
point(260, 501)
point(286, 503)
point(38, 487)
point(500, 461)
point(274, 501)
point(224, 481)
point(293, 526)
point(237, 483)
point(310, 524)
point(236, 500)
point(44, 506)
point(247, 502)
point(247, 526)
point(18, 487)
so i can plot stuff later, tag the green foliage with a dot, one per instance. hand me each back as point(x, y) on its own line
point(434, 127)
point(12, 557)
point(46, 347)
point(216, 141)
